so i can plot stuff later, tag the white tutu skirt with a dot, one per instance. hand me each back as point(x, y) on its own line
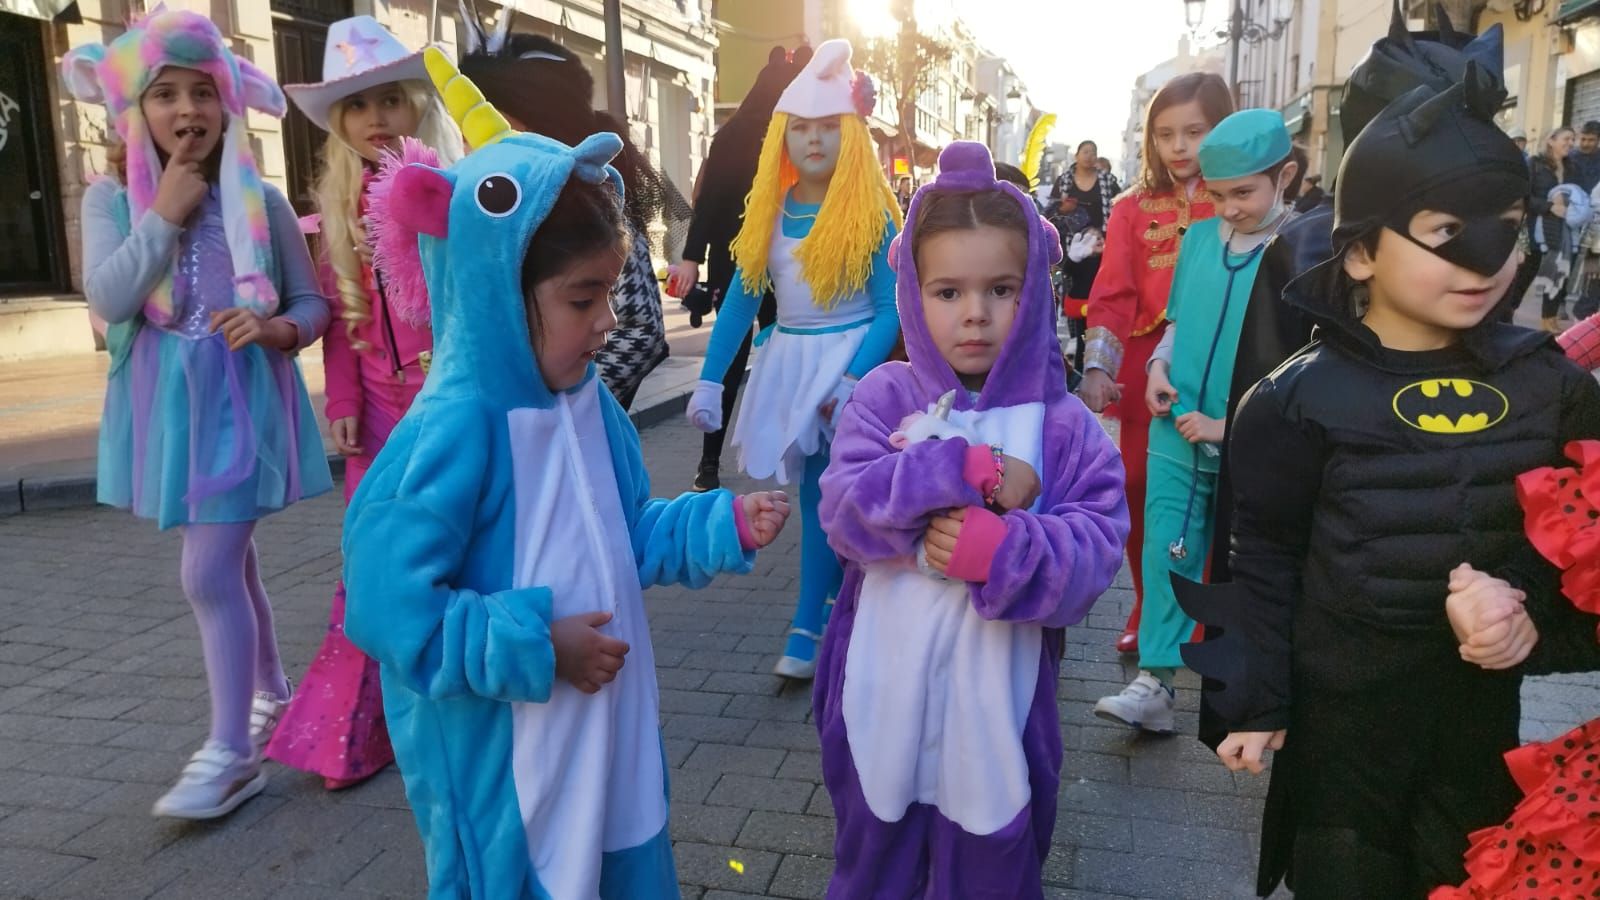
point(778, 424)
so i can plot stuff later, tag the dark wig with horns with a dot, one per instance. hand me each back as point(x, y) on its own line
point(547, 90)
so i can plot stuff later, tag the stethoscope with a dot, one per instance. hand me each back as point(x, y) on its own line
point(1176, 550)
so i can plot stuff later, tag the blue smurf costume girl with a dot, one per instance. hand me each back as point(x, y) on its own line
point(817, 227)
point(500, 511)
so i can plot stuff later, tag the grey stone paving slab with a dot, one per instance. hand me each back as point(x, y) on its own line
point(102, 695)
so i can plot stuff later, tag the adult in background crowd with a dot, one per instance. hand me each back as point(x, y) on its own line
point(1312, 196)
point(1079, 205)
point(1583, 164)
point(724, 181)
point(1547, 228)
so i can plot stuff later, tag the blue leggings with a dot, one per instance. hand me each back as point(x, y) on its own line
point(820, 572)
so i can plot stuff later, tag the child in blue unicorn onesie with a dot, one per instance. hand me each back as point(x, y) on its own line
point(496, 551)
point(817, 227)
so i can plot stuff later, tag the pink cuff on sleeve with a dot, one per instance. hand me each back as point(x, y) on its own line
point(978, 469)
point(747, 538)
point(340, 409)
point(981, 534)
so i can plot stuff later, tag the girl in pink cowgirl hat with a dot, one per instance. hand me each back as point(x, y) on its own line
point(374, 95)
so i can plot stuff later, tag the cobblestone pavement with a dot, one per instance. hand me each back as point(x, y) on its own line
point(102, 695)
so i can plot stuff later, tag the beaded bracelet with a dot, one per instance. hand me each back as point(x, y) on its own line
point(999, 474)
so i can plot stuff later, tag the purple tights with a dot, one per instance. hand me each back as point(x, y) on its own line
point(222, 580)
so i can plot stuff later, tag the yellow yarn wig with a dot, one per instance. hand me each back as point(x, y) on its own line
point(836, 257)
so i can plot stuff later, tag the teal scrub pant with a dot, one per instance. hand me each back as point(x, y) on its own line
point(1163, 626)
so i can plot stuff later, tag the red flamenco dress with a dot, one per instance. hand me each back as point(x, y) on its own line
point(1550, 847)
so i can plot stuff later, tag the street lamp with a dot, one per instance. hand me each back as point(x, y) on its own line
point(1240, 30)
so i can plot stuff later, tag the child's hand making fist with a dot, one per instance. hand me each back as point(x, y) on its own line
point(586, 656)
point(1018, 490)
point(764, 513)
point(1020, 486)
point(1489, 620)
point(1245, 751)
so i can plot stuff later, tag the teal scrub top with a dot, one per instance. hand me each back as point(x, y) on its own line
point(1208, 310)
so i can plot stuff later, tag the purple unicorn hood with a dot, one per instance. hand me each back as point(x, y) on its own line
point(1029, 368)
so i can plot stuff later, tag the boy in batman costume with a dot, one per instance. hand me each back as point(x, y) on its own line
point(1273, 330)
point(1366, 468)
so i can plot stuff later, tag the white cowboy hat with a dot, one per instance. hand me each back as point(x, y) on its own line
point(360, 54)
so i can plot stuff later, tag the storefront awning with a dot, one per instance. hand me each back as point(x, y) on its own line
point(1576, 9)
point(45, 10)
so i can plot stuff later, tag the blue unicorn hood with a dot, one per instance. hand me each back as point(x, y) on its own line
point(466, 228)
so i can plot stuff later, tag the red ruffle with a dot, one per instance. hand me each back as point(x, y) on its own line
point(1550, 847)
point(1564, 525)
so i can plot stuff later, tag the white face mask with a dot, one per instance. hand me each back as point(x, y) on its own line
point(1279, 209)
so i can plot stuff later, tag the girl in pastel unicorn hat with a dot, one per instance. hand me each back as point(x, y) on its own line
point(204, 277)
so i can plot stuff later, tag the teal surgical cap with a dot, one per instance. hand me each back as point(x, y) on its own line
point(1248, 142)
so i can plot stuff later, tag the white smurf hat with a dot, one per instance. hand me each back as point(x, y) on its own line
point(361, 54)
point(827, 86)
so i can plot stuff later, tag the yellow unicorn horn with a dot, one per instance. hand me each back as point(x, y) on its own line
point(481, 124)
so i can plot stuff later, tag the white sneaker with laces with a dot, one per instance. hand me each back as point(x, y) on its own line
point(1146, 704)
point(266, 710)
point(213, 784)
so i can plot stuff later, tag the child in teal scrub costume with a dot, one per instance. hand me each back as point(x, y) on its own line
point(1247, 162)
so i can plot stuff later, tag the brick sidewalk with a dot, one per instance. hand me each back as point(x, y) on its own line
point(102, 695)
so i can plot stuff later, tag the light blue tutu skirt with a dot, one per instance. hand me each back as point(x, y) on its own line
point(194, 433)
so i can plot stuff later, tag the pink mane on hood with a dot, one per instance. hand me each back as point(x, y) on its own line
point(395, 254)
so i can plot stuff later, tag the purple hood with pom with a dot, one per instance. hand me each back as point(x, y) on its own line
point(1029, 368)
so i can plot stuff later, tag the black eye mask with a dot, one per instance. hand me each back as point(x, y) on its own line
point(1483, 245)
point(1436, 152)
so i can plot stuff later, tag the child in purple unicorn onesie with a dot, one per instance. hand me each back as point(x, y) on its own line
point(971, 539)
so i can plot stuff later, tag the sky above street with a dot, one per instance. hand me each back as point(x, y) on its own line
point(1079, 58)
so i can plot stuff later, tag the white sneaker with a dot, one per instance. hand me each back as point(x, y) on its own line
point(1146, 704)
point(213, 784)
point(265, 711)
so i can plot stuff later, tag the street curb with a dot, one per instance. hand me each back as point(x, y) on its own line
point(44, 493)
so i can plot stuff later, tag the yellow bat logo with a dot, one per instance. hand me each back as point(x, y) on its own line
point(1451, 406)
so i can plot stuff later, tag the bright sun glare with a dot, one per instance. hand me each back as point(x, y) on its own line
point(874, 17)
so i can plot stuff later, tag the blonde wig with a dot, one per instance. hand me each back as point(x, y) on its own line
point(836, 257)
point(338, 195)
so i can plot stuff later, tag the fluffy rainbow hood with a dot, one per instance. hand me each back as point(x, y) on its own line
point(118, 74)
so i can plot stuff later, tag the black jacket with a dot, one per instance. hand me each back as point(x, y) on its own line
point(1361, 477)
point(1311, 200)
point(1272, 331)
point(1543, 179)
point(725, 179)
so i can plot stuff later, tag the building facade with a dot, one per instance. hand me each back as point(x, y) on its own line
point(1144, 89)
point(1297, 58)
point(1535, 74)
point(973, 96)
point(1014, 114)
point(52, 146)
